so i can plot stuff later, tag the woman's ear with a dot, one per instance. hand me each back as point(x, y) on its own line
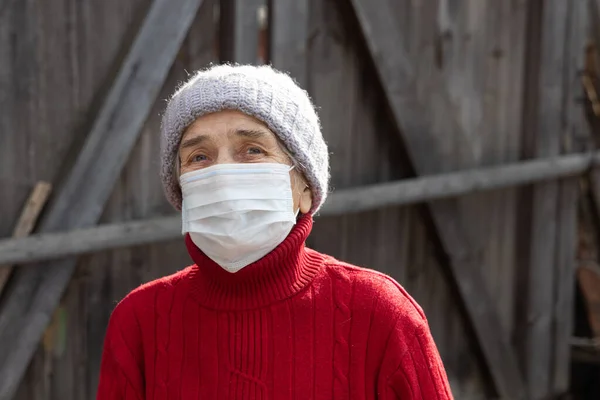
point(305, 203)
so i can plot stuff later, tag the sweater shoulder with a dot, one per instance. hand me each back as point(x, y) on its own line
point(135, 314)
point(143, 298)
point(391, 299)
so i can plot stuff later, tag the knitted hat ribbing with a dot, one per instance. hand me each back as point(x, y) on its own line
point(262, 92)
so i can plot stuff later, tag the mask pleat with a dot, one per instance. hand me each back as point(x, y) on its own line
point(240, 225)
point(236, 206)
point(235, 193)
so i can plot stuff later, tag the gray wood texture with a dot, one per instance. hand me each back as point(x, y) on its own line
point(576, 137)
point(594, 26)
point(288, 26)
point(53, 75)
point(421, 138)
point(365, 150)
point(479, 47)
point(593, 69)
point(34, 293)
point(239, 31)
point(346, 201)
point(548, 74)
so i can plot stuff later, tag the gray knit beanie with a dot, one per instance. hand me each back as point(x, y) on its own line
point(262, 92)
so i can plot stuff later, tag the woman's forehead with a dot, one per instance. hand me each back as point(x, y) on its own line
point(226, 126)
point(227, 120)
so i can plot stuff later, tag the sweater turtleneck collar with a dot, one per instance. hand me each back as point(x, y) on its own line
point(283, 272)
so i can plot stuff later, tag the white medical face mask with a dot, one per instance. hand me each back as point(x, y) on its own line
point(237, 213)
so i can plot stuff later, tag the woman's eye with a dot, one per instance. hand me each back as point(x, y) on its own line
point(199, 158)
point(254, 150)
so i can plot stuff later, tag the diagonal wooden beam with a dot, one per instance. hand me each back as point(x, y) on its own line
point(422, 142)
point(35, 292)
point(31, 211)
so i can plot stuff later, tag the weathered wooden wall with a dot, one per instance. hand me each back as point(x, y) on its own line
point(480, 47)
point(58, 56)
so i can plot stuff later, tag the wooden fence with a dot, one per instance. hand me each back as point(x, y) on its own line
point(472, 109)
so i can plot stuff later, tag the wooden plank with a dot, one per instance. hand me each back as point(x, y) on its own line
point(33, 206)
point(331, 86)
point(4, 6)
point(547, 85)
point(399, 83)
point(575, 137)
point(594, 24)
point(32, 209)
point(240, 30)
point(397, 75)
point(352, 200)
point(566, 243)
point(289, 36)
point(480, 49)
point(35, 292)
point(484, 76)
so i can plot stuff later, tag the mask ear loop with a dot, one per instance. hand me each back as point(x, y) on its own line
point(305, 186)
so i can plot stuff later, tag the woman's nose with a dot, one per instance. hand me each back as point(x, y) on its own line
point(225, 156)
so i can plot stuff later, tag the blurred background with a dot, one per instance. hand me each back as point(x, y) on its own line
point(502, 254)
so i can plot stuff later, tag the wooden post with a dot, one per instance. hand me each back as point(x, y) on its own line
point(289, 36)
point(353, 200)
point(422, 142)
point(239, 30)
point(34, 205)
point(34, 293)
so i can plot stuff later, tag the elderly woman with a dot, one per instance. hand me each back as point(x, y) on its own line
point(259, 315)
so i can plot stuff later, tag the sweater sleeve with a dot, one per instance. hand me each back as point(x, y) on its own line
point(121, 367)
point(412, 367)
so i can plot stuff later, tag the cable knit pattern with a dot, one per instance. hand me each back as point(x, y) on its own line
point(262, 92)
point(342, 321)
point(163, 307)
point(296, 324)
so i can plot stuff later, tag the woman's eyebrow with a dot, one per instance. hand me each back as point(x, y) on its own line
point(192, 142)
point(251, 133)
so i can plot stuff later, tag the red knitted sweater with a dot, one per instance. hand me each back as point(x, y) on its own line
point(296, 324)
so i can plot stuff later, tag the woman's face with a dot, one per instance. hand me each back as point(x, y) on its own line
point(232, 137)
